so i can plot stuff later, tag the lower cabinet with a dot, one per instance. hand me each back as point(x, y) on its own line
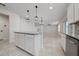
point(72, 46)
point(28, 43)
point(20, 42)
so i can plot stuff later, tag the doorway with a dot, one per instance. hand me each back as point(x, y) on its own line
point(4, 27)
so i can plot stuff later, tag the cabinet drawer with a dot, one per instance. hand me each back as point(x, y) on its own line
point(20, 40)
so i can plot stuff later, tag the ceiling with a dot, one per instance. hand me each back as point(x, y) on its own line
point(49, 16)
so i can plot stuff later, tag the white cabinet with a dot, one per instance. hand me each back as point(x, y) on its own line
point(19, 40)
point(73, 13)
point(29, 43)
point(76, 12)
point(70, 13)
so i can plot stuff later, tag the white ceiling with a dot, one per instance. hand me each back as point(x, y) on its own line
point(56, 14)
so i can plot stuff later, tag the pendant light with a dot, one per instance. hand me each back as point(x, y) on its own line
point(36, 21)
point(36, 17)
point(27, 16)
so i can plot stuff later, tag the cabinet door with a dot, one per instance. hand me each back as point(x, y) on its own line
point(76, 11)
point(20, 40)
point(17, 39)
point(71, 47)
point(70, 13)
point(29, 43)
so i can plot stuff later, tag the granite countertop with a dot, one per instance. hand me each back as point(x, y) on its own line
point(29, 33)
point(74, 37)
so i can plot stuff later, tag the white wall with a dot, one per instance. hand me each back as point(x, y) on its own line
point(4, 20)
point(14, 25)
point(61, 27)
point(51, 29)
point(26, 26)
point(13, 22)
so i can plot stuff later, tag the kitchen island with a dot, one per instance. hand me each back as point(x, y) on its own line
point(29, 42)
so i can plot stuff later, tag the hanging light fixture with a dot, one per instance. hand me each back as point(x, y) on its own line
point(36, 21)
point(36, 17)
point(27, 16)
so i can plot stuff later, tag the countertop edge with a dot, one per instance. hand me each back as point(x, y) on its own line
point(72, 37)
point(27, 33)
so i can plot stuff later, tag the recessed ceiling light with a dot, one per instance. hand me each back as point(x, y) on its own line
point(50, 8)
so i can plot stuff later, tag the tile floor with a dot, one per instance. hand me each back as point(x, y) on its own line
point(51, 47)
point(7, 49)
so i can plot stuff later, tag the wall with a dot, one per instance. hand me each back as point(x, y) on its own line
point(14, 25)
point(52, 28)
point(47, 30)
point(13, 22)
point(4, 27)
point(26, 26)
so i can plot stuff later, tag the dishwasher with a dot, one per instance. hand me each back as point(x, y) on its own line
point(72, 46)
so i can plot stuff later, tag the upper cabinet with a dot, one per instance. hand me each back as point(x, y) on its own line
point(76, 12)
point(73, 13)
point(70, 13)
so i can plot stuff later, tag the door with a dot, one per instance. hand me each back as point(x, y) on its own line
point(4, 27)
